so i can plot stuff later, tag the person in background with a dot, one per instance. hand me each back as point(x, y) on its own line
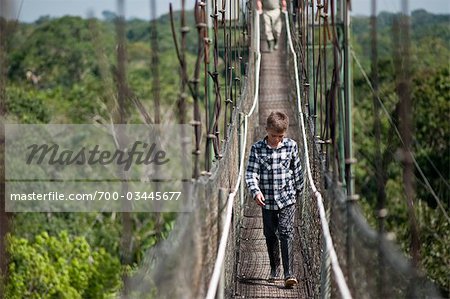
point(271, 11)
point(274, 178)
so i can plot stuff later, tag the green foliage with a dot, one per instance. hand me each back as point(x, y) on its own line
point(432, 104)
point(77, 255)
point(139, 30)
point(59, 50)
point(431, 146)
point(67, 53)
point(59, 57)
point(75, 104)
point(435, 239)
point(99, 230)
point(60, 53)
point(60, 267)
point(26, 104)
point(74, 60)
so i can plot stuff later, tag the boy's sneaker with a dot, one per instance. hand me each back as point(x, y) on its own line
point(290, 282)
point(274, 274)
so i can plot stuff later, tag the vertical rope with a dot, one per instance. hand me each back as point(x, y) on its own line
point(349, 160)
point(201, 27)
point(326, 124)
point(215, 132)
point(238, 46)
point(183, 68)
point(155, 62)
point(229, 68)
point(225, 56)
point(235, 58)
point(126, 237)
point(379, 167)
point(333, 97)
point(318, 102)
point(155, 90)
point(403, 75)
point(206, 42)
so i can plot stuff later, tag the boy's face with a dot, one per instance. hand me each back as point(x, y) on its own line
point(274, 137)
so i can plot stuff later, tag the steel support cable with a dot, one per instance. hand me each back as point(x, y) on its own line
point(430, 188)
point(340, 279)
point(213, 284)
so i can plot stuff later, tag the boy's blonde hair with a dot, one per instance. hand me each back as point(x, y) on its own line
point(277, 121)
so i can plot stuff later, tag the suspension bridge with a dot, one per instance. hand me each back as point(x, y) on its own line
point(218, 250)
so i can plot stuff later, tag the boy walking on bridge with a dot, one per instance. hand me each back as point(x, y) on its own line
point(274, 178)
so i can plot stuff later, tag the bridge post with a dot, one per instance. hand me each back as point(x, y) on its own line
point(403, 73)
point(381, 194)
point(310, 56)
point(348, 95)
point(345, 128)
point(209, 107)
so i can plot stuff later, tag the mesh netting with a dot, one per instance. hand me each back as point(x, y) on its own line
point(182, 265)
point(373, 266)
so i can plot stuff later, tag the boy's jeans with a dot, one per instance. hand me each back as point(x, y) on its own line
point(280, 223)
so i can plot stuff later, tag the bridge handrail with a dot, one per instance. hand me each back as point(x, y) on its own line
point(214, 282)
point(340, 279)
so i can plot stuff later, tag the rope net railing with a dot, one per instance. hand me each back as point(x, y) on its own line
point(353, 262)
point(312, 192)
point(372, 265)
point(197, 259)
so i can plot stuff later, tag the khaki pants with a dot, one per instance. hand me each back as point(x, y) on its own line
point(272, 24)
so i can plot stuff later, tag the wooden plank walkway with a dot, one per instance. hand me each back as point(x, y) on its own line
point(253, 264)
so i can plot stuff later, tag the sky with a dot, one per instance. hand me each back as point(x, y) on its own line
point(31, 10)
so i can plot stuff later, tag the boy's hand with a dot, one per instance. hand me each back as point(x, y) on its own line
point(259, 198)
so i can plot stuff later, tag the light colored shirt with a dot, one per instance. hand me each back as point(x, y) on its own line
point(271, 4)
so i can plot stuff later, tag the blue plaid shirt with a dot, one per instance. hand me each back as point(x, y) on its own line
point(276, 172)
